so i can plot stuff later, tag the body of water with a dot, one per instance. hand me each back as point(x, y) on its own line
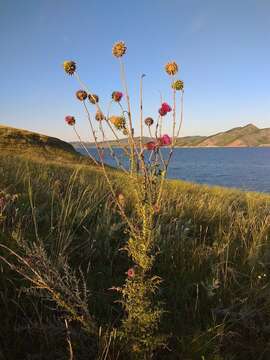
point(243, 168)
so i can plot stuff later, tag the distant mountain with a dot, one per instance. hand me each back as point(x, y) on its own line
point(243, 136)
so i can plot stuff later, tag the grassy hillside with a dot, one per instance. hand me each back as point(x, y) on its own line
point(245, 136)
point(213, 259)
point(27, 143)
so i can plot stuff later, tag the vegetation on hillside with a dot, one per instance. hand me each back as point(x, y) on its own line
point(245, 136)
point(213, 259)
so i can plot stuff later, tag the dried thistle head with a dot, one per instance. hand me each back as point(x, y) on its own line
point(178, 85)
point(69, 67)
point(118, 121)
point(149, 121)
point(119, 49)
point(81, 95)
point(171, 68)
point(93, 98)
point(70, 120)
point(100, 116)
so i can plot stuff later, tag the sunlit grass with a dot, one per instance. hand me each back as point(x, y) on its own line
point(213, 259)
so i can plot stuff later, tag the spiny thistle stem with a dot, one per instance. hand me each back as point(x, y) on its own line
point(141, 111)
point(131, 130)
point(181, 113)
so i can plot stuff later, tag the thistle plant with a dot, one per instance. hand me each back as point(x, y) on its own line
point(147, 171)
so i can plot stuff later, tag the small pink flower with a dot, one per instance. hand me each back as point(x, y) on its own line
point(131, 273)
point(166, 107)
point(165, 140)
point(162, 112)
point(151, 145)
point(117, 96)
point(70, 120)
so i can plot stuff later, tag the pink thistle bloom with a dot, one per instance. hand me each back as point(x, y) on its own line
point(117, 96)
point(70, 120)
point(166, 107)
point(151, 145)
point(165, 140)
point(131, 273)
point(162, 112)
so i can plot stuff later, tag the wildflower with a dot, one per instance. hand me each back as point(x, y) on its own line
point(119, 49)
point(162, 112)
point(69, 67)
point(100, 116)
point(166, 107)
point(70, 120)
point(171, 68)
point(117, 96)
point(118, 121)
point(178, 85)
point(151, 145)
point(93, 98)
point(165, 140)
point(149, 121)
point(131, 273)
point(81, 95)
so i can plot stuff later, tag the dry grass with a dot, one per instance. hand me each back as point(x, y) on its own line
point(213, 259)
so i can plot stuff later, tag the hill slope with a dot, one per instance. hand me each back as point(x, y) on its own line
point(243, 136)
point(34, 145)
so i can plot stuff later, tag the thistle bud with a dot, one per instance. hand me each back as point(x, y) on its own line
point(149, 121)
point(119, 49)
point(93, 98)
point(178, 85)
point(81, 95)
point(69, 67)
point(171, 68)
point(70, 120)
point(100, 116)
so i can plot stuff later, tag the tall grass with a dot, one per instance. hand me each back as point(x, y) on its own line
point(213, 258)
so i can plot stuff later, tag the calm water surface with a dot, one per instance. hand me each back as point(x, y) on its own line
point(243, 168)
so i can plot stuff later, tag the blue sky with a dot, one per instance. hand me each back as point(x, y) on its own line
point(222, 48)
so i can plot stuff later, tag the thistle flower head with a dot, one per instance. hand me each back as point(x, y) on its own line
point(93, 98)
point(171, 68)
point(166, 107)
point(149, 121)
point(162, 112)
point(119, 49)
point(70, 120)
point(164, 140)
point(125, 132)
point(118, 121)
point(81, 95)
point(178, 85)
point(151, 145)
point(131, 273)
point(69, 67)
point(100, 116)
point(117, 96)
